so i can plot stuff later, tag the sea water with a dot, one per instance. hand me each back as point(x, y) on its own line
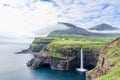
point(13, 67)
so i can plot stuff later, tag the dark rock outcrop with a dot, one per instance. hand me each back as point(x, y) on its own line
point(70, 60)
point(25, 51)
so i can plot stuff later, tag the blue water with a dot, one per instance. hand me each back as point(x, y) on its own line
point(13, 67)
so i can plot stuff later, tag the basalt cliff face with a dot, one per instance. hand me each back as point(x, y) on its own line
point(108, 67)
point(70, 59)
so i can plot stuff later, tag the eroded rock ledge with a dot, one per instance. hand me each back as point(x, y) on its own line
point(70, 59)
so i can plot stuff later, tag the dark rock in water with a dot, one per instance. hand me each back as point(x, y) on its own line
point(25, 51)
point(70, 59)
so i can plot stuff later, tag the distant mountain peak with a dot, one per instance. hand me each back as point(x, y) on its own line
point(103, 27)
point(72, 29)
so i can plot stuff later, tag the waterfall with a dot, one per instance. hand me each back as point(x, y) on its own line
point(81, 61)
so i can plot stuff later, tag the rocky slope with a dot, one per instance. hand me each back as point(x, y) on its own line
point(108, 67)
point(64, 59)
point(102, 27)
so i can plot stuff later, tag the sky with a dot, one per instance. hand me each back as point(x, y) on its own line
point(22, 18)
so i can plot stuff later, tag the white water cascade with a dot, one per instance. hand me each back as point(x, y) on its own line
point(81, 69)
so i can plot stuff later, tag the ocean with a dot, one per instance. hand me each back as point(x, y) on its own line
point(13, 66)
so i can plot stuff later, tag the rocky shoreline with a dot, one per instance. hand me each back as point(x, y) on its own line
point(25, 51)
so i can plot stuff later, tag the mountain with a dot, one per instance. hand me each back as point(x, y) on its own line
point(73, 29)
point(103, 27)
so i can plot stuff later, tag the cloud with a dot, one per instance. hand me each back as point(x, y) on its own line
point(25, 17)
point(19, 18)
point(10, 37)
point(46, 30)
point(87, 13)
point(95, 31)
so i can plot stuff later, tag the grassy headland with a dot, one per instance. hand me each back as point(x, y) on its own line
point(77, 41)
point(57, 41)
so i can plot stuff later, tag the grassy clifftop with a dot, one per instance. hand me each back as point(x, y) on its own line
point(77, 41)
point(54, 42)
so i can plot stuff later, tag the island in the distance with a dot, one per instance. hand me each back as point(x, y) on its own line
point(60, 50)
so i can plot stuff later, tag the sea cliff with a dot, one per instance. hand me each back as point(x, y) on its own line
point(108, 67)
point(62, 52)
point(65, 59)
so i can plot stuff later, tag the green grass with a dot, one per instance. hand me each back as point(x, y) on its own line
point(78, 41)
point(82, 38)
point(114, 74)
point(74, 44)
point(43, 39)
point(59, 55)
point(56, 54)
